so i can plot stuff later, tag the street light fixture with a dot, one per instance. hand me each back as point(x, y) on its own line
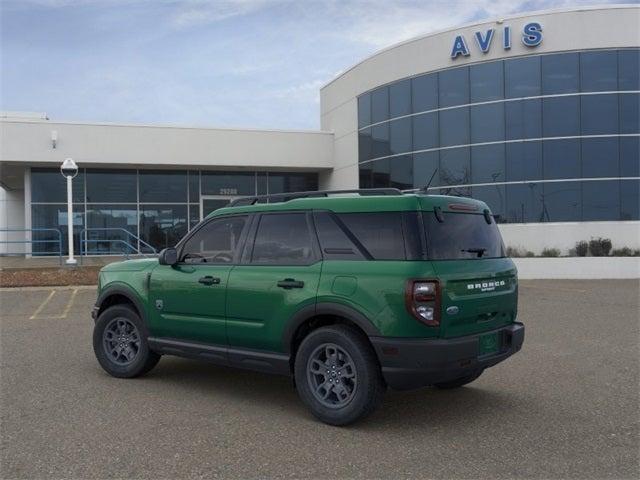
point(69, 169)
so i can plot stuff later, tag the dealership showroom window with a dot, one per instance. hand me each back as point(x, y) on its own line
point(544, 138)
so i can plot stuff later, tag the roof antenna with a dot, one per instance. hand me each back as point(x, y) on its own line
point(426, 187)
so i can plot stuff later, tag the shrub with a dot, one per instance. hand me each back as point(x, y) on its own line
point(582, 248)
point(519, 252)
point(550, 252)
point(625, 252)
point(600, 247)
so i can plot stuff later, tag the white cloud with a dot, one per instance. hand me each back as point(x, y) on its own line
point(190, 13)
point(380, 23)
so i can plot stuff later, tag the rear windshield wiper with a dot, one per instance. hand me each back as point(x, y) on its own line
point(478, 251)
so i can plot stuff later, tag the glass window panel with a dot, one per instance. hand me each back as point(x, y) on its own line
point(283, 239)
point(562, 202)
point(364, 173)
point(523, 119)
point(453, 87)
point(561, 159)
point(424, 92)
point(400, 133)
point(163, 186)
point(365, 145)
point(108, 226)
point(380, 141)
point(630, 199)
point(487, 123)
point(401, 172)
point(424, 166)
point(629, 70)
point(400, 98)
point(487, 164)
point(456, 191)
point(49, 186)
point(364, 110)
point(55, 217)
point(458, 234)
point(494, 197)
point(454, 127)
point(380, 170)
point(194, 215)
point(599, 114)
point(335, 244)
point(523, 161)
point(522, 77)
point(487, 81)
point(379, 233)
point(194, 186)
point(560, 73)
point(600, 157)
point(524, 203)
point(262, 183)
point(599, 71)
point(214, 243)
point(630, 156)
point(425, 131)
point(561, 116)
point(601, 200)
point(455, 166)
point(292, 182)
point(163, 226)
point(629, 113)
point(112, 186)
point(228, 183)
point(380, 105)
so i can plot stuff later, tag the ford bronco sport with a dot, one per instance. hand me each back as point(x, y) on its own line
point(347, 292)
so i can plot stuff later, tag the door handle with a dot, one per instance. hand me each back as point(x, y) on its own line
point(209, 280)
point(289, 283)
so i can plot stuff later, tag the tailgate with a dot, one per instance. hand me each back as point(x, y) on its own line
point(477, 295)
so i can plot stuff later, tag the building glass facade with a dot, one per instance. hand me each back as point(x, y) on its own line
point(540, 138)
point(157, 206)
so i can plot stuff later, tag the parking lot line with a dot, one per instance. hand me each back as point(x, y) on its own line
point(68, 307)
point(42, 305)
point(65, 311)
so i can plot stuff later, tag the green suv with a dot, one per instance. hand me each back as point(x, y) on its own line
point(347, 292)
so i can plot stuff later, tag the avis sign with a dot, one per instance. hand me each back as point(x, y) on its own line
point(531, 37)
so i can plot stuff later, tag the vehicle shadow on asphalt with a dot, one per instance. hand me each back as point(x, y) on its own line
point(400, 410)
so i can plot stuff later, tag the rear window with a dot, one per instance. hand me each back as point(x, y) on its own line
point(462, 236)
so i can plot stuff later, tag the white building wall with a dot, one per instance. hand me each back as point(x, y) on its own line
point(24, 140)
point(11, 217)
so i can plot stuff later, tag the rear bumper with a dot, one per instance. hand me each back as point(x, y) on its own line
point(413, 363)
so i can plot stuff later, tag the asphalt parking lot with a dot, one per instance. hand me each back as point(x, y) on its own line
point(565, 407)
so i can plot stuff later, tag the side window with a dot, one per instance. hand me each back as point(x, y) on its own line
point(334, 242)
point(380, 233)
point(283, 239)
point(216, 242)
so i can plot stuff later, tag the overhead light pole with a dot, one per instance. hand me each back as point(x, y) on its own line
point(69, 169)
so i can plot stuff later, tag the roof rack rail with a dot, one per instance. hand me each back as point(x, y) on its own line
point(285, 197)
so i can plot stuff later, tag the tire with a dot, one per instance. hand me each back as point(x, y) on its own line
point(358, 389)
point(459, 382)
point(130, 358)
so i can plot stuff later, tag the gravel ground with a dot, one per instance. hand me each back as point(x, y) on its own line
point(566, 406)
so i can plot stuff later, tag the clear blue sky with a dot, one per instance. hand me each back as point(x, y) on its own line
point(246, 63)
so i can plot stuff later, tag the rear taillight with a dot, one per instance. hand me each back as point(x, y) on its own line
point(423, 301)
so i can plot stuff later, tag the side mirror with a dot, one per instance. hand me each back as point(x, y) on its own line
point(168, 256)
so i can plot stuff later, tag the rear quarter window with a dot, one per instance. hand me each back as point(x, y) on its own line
point(379, 232)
